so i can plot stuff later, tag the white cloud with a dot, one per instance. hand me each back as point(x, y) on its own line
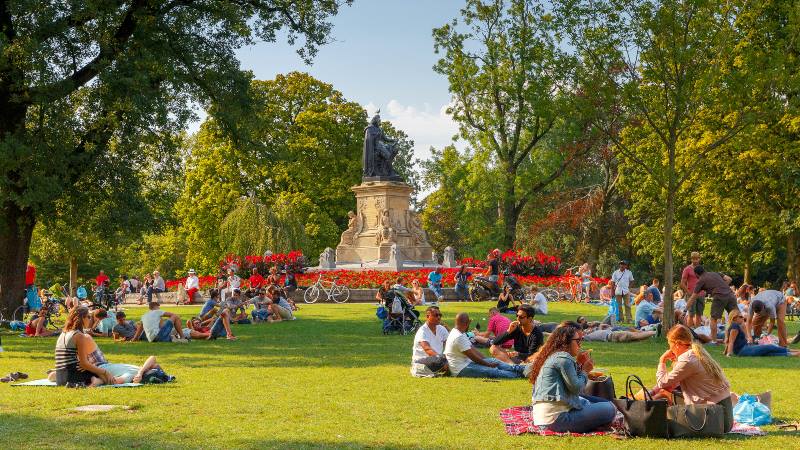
point(426, 127)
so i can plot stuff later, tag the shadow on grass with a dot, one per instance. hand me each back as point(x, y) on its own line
point(98, 430)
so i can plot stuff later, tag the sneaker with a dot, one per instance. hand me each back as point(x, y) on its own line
point(178, 340)
point(796, 339)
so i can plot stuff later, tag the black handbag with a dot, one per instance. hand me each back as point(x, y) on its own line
point(602, 387)
point(642, 417)
point(689, 421)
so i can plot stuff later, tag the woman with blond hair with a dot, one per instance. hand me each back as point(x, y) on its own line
point(700, 377)
point(559, 373)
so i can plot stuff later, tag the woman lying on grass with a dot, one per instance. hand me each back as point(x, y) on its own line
point(559, 373)
point(738, 345)
point(700, 377)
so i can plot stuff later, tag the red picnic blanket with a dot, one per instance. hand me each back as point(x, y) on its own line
point(518, 420)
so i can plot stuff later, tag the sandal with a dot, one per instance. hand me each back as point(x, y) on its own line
point(231, 338)
point(19, 376)
point(6, 379)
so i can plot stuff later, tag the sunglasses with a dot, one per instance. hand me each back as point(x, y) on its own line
point(578, 340)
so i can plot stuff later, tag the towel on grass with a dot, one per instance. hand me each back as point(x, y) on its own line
point(46, 382)
point(518, 420)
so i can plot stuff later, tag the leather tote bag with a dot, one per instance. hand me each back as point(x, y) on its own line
point(602, 387)
point(642, 417)
point(690, 421)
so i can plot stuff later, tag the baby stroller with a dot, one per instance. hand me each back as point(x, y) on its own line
point(398, 314)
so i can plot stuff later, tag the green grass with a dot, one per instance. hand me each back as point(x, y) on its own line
point(329, 379)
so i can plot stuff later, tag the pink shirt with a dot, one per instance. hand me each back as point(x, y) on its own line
point(698, 386)
point(691, 280)
point(498, 324)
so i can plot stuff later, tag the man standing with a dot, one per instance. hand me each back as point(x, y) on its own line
point(688, 282)
point(767, 303)
point(622, 279)
point(427, 356)
point(465, 361)
point(31, 293)
point(101, 278)
point(722, 297)
point(527, 338)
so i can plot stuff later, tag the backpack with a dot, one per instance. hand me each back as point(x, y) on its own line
point(397, 306)
point(157, 376)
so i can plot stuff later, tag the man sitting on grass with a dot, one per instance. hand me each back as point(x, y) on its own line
point(125, 330)
point(527, 338)
point(465, 361)
point(647, 313)
point(158, 330)
point(102, 323)
point(427, 357)
point(279, 307)
point(498, 324)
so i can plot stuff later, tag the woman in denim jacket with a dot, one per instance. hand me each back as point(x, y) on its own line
point(558, 374)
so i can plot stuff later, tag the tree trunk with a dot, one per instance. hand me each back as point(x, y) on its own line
point(509, 209)
point(792, 257)
point(16, 229)
point(748, 268)
point(669, 315)
point(73, 275)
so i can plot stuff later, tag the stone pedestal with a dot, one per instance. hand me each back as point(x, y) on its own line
point(383, 217)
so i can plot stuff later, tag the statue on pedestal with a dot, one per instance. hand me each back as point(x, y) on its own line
point(379, 152)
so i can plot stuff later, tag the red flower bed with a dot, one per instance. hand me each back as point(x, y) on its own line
point(540, 264)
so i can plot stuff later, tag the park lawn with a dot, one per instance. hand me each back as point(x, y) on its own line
point(328, 379)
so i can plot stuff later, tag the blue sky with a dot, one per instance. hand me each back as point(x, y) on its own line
point(381, 56)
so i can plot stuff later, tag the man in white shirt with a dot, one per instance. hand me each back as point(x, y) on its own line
point(158, 330)
point(192, 286)
point(427, 357)
point(622, 279)
point(539, 302)
point(465, 361)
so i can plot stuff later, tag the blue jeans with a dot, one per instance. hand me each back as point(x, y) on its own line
point(763, 350)
point(594, 414)
point(218, 329)
point(208, 306)
point(165, 333)
point(462, 292)
point(260, 314)
point(436, 288)
point(150, 291)
point(503, 370)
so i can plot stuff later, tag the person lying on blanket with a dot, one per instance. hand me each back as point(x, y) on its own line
point(700, 377)
point(559, 373)
point(122, 373)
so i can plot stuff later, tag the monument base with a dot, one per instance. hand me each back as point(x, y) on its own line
point(383, 218)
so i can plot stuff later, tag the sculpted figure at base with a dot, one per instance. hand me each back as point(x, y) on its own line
point(353, 229)
point(386, 232)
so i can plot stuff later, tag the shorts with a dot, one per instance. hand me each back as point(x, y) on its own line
point(697, 308)
point(72, 375)
point(124, 371)
point(719, 304)
point(619, 336)
point(285, 314)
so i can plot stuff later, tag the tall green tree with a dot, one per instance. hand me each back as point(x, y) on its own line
point(82, 84)
point(510, 82)
point(673, 63)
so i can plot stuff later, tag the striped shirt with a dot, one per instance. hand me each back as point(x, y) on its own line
point(66, 350)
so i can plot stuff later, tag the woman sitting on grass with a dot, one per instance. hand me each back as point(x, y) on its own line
point(738, 345)
point(695, 371)
point(559, 373)
point(77, 355)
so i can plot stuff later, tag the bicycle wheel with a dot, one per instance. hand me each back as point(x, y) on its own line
point(550, 294)
point(340, 294)
point(311, 295)
point(57, 317)
point(21, 314)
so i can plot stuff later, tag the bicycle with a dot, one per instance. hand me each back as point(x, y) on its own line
point(54, 308)
point(336, 292)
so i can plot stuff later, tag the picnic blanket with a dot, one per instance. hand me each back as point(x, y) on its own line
point(518, 420)
point(48, 383)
